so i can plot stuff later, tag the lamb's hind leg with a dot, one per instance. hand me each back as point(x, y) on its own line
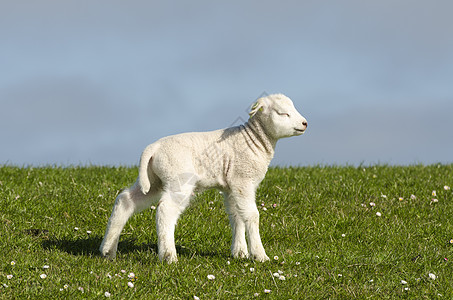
point(175, 199)
point(127, 203)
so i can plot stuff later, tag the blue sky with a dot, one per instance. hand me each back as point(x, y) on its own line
point(94, 82)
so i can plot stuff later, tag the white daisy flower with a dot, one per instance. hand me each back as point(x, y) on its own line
point(130, 284)
point(432, 276)
point(378, 214)
point(211, 277)
point(43, 276)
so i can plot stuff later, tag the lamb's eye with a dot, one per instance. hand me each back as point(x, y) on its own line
point(283, 114)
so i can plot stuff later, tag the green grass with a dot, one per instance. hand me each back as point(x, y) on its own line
point(41, 207)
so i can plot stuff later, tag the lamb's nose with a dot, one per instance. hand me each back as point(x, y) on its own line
point(305, 123)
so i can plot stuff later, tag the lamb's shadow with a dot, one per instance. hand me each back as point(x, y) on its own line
point(90, 247)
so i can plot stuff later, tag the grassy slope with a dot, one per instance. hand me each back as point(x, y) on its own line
point(41, 207)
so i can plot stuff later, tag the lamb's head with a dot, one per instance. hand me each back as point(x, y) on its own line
point(278, 116)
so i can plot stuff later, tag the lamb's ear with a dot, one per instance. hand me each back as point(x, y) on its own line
point(257, 106)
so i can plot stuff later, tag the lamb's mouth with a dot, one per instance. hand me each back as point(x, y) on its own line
point(299, 131)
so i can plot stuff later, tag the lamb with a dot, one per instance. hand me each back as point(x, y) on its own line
point(233, 160)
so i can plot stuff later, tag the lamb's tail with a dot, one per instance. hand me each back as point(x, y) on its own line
point(145, 160)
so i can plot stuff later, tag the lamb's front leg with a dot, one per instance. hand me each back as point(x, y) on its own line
point(249, 215)
point(239, 244)
point(251, 219)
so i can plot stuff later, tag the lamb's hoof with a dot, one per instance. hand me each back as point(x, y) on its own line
point(240, 254)
point(260, 258)
point(169, 258)
point(108, 254)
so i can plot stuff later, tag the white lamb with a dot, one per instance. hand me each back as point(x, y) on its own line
point(233, 160)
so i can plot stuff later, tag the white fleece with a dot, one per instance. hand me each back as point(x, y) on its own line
point(234, 160)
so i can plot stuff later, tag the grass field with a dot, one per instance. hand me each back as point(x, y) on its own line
point(331, 232)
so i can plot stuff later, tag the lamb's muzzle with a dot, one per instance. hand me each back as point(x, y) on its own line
point(234, 160)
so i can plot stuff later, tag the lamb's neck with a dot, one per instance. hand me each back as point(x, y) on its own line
point(257, 138)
